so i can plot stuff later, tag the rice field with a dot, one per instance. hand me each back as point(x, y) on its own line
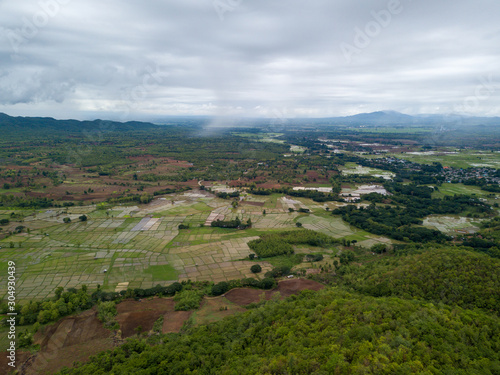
point(453, 225)
point(455, 158)
point(353, 168)
point(141, 246)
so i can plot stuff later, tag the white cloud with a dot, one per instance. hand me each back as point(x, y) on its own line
point(179, 57)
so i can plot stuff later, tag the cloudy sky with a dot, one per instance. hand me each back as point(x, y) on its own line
point(289, 58)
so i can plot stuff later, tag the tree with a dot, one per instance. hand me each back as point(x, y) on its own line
point(67, 220)
point(267, 283)
point(83, 218)
point(256, 268)
point(298, 224)
point(379, 248)
point(220, 288)
point(146, 198)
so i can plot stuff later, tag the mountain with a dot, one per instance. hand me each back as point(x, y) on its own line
point(382, 118)
point(22, 124)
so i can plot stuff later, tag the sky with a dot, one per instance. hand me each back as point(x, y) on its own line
point(133, 60)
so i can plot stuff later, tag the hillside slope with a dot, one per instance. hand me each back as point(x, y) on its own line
point(328, 332)
point(452, 276)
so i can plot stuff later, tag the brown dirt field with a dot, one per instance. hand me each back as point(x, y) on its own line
point(295, 286)
point(258, 204)
point(72, 330)
point(286, 288)
point(132, 314)
point(312, 174)
point(74, 338)
point(210, 310)
point(246, 296)
point(21, 357)
point(50, 362)
point(174, 320)
point(269, 185)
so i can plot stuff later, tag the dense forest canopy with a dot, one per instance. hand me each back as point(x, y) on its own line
point(329, 332)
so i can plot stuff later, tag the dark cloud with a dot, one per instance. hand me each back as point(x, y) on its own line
point(252, 58)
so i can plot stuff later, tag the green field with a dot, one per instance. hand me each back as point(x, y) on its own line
point(394, 130)
point(448, 189)
point(455, 158)
point(141, 246)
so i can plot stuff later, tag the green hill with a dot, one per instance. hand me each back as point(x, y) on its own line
point(11, 125)
point(329, 332)
point(452, 276)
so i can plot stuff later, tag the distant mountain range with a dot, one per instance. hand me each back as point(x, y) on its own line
point(380, 118)
point(9, 124)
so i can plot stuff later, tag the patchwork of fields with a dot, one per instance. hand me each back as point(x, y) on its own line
point(141, 246)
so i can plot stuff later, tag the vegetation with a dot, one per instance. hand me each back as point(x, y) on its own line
point(106, 311)
point(188, 300)
point(236, 223)
point(442, 275)
point(274, 244)
point(270, 246)
point(328, 332)
point(401, 219)
point(256, 268)
point(109, 203)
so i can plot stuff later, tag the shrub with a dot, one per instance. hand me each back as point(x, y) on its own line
point(256, 268)
point(220, 288)
point(106, 311)
point(267, 283)
point(314, 257)
point(188, 300)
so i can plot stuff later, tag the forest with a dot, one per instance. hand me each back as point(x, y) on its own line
point(329, 332)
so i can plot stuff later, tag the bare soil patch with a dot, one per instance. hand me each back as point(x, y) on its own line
point(21, 357)
point(295, 286)
point(258, 204)
point(134, 314)
point(245, 296)
point(174, 320)
point(74, 338)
